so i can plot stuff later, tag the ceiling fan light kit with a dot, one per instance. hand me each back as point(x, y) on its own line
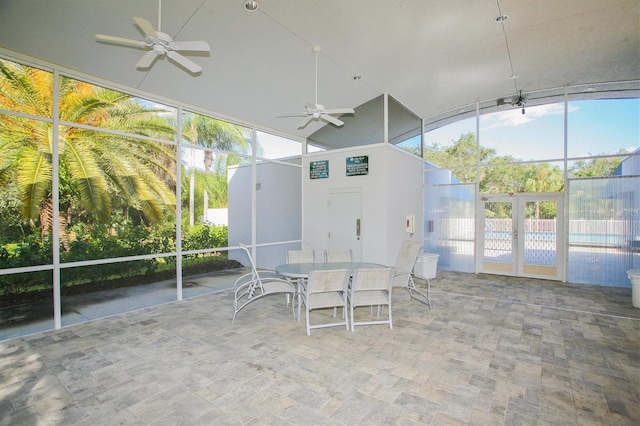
point(315, 111)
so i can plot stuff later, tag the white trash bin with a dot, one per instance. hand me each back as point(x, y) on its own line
point(426, 265)
point(634, 276)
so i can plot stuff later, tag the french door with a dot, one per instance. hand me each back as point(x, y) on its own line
point(521, 235)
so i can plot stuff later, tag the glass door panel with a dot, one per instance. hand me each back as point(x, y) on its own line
point(497, 236)
point(540, 240)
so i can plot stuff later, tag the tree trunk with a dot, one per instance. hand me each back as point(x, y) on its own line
point(46, 224)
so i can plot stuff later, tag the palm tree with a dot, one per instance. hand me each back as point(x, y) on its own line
point(543, 177)
point(216, 134)
point(96, 168)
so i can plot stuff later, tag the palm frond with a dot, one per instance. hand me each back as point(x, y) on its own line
point(97, 169)
point(34, 181)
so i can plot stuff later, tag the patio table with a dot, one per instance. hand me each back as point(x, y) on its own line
point(301, 270)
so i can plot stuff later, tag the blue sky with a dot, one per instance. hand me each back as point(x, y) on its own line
point(594, 127)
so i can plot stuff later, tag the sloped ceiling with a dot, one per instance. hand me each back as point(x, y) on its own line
point(430, 55)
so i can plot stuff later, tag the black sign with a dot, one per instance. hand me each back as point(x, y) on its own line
point(358, 166)
point(319, 169)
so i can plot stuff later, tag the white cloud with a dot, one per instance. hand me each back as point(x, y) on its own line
point(514, 117)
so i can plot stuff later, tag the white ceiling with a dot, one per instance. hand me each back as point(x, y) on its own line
point(431, 55)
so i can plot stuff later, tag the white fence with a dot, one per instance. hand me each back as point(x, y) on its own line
point(464, 229)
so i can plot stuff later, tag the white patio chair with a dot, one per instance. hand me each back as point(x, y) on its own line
point(301, 256)
point(405, 261)
point(257, 284)
point(338, 255)
point(371, 287)
point(326, 289)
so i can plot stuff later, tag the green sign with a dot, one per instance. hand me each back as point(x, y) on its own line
point(358, 166)
point(319, 169)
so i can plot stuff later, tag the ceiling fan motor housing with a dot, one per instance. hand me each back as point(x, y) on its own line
point(159, 49)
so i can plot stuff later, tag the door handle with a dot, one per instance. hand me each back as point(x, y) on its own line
point(358, 229)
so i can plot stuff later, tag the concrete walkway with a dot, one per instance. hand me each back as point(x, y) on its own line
point(100, 304)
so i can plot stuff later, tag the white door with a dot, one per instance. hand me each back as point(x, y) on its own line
point(345, 220)
point(520, 235)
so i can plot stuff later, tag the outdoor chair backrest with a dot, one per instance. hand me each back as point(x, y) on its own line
point(338, 255)
point(301, 256)
point(405, 261)
point(254, 271)
point(407, 256)
point(366, 279)
point(322, 281)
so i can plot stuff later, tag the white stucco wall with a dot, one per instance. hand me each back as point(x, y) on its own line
point(404, 198)
point(217, 216)
point(291, 207)
point(391, 190)
point(278, 209)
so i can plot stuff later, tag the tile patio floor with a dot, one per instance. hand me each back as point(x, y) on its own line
point(492, 351)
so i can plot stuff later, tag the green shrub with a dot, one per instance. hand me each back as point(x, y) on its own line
point(28, 253)
point(202, 236)
point(96, 241)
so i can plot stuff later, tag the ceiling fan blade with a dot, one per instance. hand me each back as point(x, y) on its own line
point(192, 46)
point(146, 27)
point(186, 63)
point(120, 40)
point(304, 122)
point(339, 111)
point(292, 114)
point(313, 107)
point(147, 60)
point(331, 119)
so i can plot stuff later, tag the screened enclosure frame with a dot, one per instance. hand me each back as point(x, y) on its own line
point(55, 266)
point(447, 246)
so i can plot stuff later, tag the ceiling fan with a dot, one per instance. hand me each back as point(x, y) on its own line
point(315, 111)
point(518, 100)
point(159, 44)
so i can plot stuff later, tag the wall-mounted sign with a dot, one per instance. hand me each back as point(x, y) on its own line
point(358, 166)
point(319, 169)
